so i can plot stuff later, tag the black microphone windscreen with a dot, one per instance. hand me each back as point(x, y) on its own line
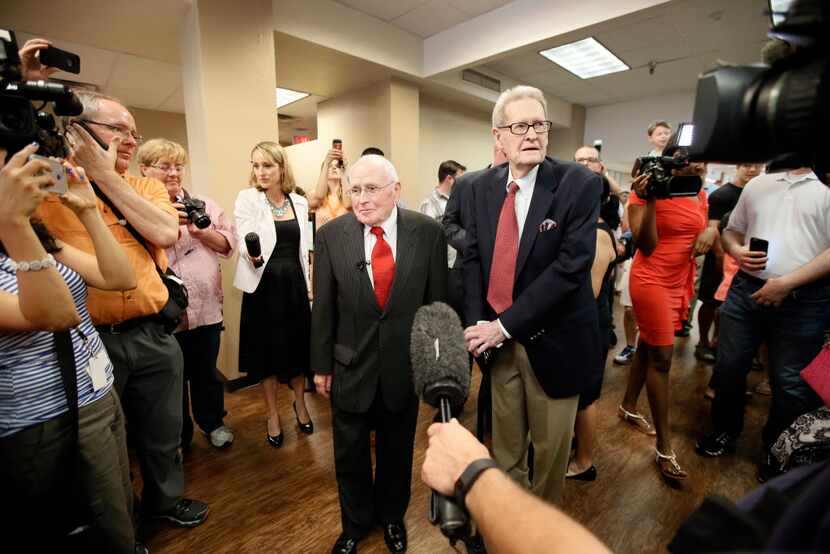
point(438, 353)
point(252, 243)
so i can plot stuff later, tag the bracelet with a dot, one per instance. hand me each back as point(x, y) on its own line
point(469, 477)
point(36, 265)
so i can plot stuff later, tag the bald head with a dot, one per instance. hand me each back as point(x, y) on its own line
point(589, 157)
point(374, 188)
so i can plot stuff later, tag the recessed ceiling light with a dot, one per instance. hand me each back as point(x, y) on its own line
point(585, 58)
point(287, 96)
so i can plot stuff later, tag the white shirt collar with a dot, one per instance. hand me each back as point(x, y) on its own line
point(792, 179)
point(388, 226)
point(524, 182)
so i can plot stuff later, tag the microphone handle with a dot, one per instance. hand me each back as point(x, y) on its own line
point(452, 519)
point(258, 262)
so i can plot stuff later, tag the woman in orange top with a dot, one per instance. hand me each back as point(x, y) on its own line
point(328, 200)
point(668, 235)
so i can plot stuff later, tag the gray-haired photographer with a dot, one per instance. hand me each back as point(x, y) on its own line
point(134, 325)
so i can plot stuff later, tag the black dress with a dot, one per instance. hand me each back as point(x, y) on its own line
point(276, 318)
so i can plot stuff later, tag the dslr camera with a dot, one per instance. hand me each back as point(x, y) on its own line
point(663, 184)
point(196, 213)
point(20, 122)
point(776, 113)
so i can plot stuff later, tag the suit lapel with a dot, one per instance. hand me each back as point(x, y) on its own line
point(495, 198)
point(539, 207)
point(405, 255)
point(355, 254)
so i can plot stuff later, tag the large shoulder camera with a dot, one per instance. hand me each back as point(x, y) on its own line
point(776, 113)
point(20, 122)
point(663, 184)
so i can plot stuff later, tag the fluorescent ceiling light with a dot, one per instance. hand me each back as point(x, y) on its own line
point(778, 10)
point(287, 96)
point(586, 58)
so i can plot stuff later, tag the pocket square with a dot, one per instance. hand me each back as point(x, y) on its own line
point(547, 225)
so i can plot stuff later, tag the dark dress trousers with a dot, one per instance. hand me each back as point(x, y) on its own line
point(554, 315)
point(366, 350)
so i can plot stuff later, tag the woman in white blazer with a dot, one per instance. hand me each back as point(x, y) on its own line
point(276, 317)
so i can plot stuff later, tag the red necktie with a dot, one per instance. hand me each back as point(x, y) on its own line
point(505, 251)
point(383, 267)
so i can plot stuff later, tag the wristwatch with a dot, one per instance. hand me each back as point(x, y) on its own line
point(470, 476)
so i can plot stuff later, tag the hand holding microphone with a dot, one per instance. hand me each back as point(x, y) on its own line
point(254, 249)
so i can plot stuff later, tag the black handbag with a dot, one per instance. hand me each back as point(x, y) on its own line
point(177, 297)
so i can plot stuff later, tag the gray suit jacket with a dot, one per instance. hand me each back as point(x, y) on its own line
point(351, 338)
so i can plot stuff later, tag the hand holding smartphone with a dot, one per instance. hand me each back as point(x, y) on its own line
point(759, 245)
point(58, 173)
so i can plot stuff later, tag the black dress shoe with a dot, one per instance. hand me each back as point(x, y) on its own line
point(307, 428)
point(345, 545)
point(589, 474)
point(395, 536)
point(275, 441)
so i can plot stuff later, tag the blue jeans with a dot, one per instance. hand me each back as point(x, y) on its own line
point(794, 334)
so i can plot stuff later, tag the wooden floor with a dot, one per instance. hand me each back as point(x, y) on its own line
point(285, 501)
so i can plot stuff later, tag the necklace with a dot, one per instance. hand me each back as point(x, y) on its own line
point(278, 211)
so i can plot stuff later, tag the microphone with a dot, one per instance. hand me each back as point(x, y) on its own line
point(362, 264)
point(442, 379)
point(254, 249)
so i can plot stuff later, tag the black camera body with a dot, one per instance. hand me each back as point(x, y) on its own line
point(20, 122)
point(776, 113)
point(663, 184)
point(196, 213)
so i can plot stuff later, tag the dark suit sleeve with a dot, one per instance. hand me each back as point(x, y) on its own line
point(474, 309)
point(323, 313)
point(436, 290)
point(568, 271)
point(453, 231)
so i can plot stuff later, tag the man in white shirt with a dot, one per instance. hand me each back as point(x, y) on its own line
point(781, 297)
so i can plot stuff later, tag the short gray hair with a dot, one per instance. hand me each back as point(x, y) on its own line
point(91, 100)
point(513, 94)
point(379, 161)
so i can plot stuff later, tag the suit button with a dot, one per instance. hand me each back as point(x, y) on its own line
point(382, 317)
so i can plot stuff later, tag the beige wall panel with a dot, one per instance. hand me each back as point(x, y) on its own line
point(155, 124)
point(562, 143)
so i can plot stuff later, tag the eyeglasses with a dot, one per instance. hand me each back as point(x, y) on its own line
point(370, 190)
point(166, 168)
point(521, 128)
point(587, 160)
point(119, 130)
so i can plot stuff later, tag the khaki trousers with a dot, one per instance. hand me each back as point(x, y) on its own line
point(522, 412)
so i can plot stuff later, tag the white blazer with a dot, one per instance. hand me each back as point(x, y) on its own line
point(253, 215)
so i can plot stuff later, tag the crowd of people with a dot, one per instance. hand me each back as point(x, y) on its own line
point(111, 320)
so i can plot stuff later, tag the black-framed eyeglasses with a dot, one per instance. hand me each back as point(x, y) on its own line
point(521, 128)
point(122, 131)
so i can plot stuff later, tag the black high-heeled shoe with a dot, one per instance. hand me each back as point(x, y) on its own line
point(307, 428)
point(275, 441)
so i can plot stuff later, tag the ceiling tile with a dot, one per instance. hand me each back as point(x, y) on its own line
point(96, 64)
point(521, 66)
point(431, 18)
point(143, 83)
point(477, 7)
point(174, 102)
point(383, 9)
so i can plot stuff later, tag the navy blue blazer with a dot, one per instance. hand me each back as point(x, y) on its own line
point(554, 314)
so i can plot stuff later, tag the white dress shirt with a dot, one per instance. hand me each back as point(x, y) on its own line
point(434, 206)
point(523, 195)
point(390, 235)
point(522, 207)
point(792, 212)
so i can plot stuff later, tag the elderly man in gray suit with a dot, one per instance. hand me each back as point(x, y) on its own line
point(373, 269)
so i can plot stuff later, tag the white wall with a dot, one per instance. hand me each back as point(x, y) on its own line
point(622, 126)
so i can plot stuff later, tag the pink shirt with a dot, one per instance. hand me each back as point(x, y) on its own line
point(198, 266)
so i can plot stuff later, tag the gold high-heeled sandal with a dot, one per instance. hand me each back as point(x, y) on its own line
point(636, 421)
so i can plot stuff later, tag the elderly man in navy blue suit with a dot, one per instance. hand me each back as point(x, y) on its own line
point(531, 242)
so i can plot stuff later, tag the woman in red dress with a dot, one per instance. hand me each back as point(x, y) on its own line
point(668, 234)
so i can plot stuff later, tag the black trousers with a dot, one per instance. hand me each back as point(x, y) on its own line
point(147, 363)
point(364, 503)
point(206, 394)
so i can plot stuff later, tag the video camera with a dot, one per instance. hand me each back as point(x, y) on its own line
point(20, 122)
point(663, 184)
point(776, 113)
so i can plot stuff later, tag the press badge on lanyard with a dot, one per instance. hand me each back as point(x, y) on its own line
point(97, 366)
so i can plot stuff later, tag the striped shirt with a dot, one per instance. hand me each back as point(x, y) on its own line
point(31, 390)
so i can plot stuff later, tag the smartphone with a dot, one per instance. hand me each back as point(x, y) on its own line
point(337, 144)
point(61, 59)
point(93, 134)
point(758, 245)
point(58, 172)
point(598, 145)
